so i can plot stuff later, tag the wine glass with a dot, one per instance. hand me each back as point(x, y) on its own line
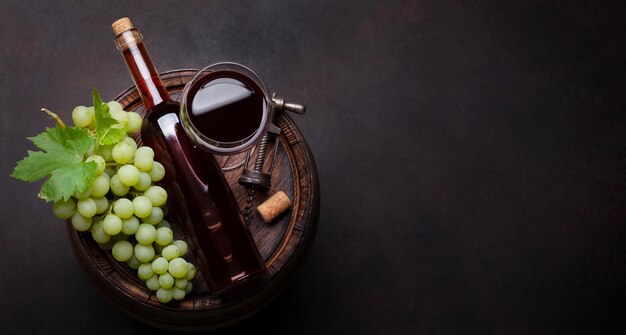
point(225, 108)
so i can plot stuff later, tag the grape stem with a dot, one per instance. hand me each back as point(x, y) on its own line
point(54, 116)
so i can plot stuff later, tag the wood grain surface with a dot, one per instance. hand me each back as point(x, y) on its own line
point(282, 243)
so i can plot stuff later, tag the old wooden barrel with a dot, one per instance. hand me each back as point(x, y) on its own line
point(283, 243)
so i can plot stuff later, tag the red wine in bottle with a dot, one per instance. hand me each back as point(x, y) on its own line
point(200, 198)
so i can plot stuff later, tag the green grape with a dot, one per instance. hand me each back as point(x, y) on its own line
point(123, 208)
point(92, 150)
point(144, 158)
point(144, 182)
point(122, 153)
point(122, 251)
point(102, 204)
point(84, 194)
point(64, 209)
point(163, 223)
point(118, 113)
point(145, 151)
point(178, 267)
point(100, 163)
point(144, 253)
point(130, 225)
point(92, 111)
point(144, 163)
point(191, 271)
point(189, 288)
point(80, 222)
point(117, 187)
point(153, 283)
point(157, 195)
point(81, 116)
point(143, 206)
point(86, 207)
point(129, 175)
point(179, 294)
point(146, 234)
point(106, 152)
point(181, 283)
point(100, 186)
point(182, 247)
point(164, 236)
point(170, 252)
point(131, 142)
point(133, 262)
point(134, 122)
point(155, 216)
point(157, 172)
point(160, 265)
point(98, 233)
point(166, 280)
point(145, 271)
point(112, 224)
point(114, 105)
point(165, 294)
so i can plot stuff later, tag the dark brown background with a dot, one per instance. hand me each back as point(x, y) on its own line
point(471, 157)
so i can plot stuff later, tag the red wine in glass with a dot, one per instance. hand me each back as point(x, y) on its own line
point(225, 108)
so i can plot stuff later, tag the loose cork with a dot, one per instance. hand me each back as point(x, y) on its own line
point(121, 25)
point(274, 206)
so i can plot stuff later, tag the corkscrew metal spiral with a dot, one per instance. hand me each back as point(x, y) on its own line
point(255, 178)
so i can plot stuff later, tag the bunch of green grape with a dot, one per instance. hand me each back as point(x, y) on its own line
point(124, 211)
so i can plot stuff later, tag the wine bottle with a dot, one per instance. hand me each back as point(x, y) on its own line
point(200, 198)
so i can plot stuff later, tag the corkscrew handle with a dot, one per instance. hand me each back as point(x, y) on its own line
point(279, 104)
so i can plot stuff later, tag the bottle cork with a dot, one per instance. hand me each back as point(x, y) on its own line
point(121, 25)
point(274, 206)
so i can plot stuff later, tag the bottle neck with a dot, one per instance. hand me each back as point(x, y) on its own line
point(141, 68)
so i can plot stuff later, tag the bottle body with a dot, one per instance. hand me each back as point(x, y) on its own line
point(200, 198)
point(209, 213)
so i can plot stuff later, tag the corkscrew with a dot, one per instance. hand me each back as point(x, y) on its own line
point(254, 177)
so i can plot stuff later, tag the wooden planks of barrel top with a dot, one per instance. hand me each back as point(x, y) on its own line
point(283, 243)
